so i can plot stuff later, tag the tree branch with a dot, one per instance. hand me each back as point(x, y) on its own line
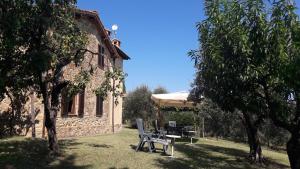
point(56, 91)
point(272, 111)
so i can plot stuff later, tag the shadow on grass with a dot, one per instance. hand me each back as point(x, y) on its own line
point(146, 150)
point(186, 139)
point(34, 153)
point(100, 145)
point(209, 156)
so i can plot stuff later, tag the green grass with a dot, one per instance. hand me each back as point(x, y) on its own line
point(117, 151)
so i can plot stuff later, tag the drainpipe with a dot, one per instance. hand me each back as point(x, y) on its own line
point(113, 99)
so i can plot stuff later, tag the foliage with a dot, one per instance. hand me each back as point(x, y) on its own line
point(223, 73)
point(249, 60)
point(181, 118)
point(78, 84)
point(14, 120)
point(38, 39)
point(14, 17)
point(272, 136)
point(160, 90)
point(138, 104)
point(219, 123)
point(113, 82)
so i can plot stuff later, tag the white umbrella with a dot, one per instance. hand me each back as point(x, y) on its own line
point(177, 100)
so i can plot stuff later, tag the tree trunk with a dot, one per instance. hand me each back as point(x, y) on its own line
point(50, 123)
point(293, 151)
point(255, 153)
point(203, 129)
point(50, 120)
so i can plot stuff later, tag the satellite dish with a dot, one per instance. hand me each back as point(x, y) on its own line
point(114, 27)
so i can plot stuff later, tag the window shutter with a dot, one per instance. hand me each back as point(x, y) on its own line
point(72, 104)
point(102, 56)
point(99, 106)
point(81, 103)
point(99, 55)
point(63, 105)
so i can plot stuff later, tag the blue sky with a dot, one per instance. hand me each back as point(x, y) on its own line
point(157, 35)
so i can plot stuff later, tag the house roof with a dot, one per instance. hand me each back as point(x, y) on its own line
point(121, 53)
point(114, 50)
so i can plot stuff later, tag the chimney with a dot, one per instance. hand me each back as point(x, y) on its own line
point(108, 32)
point(116, 42)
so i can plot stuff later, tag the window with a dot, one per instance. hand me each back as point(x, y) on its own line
point(101, 53)
point(68, 106)
point(99, 106)
point(73, 106)
point(81, 103)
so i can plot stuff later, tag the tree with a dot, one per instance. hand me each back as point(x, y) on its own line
point(55, 43)
point(14, 16)
point(14, 119)
point(209, 113)
point(138, 104)
point(272, 136)
point(249, 60)
point(223, 73)
point(14, 75)
point(160, 90)
point(46, 40)
point(280, 82)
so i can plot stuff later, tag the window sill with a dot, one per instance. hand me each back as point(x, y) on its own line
point(72, 115)
point(100, 67)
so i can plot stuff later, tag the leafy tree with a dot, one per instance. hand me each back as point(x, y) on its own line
point(14, 119)
point(57, 42)
point(182, 118)
point(223, 75)
point(45, 39)
point(14, 16)
point(14, 73)
point(272, 136)
point(279, 79)
point(209, 114)
point(138, 104)
point(160, 90)
point(249, 61)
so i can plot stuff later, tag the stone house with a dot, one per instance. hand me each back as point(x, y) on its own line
point(86, 113)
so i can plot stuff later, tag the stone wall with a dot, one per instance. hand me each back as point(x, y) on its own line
point(86, 126)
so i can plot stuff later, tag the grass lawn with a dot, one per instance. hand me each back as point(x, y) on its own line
point(117, 151)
